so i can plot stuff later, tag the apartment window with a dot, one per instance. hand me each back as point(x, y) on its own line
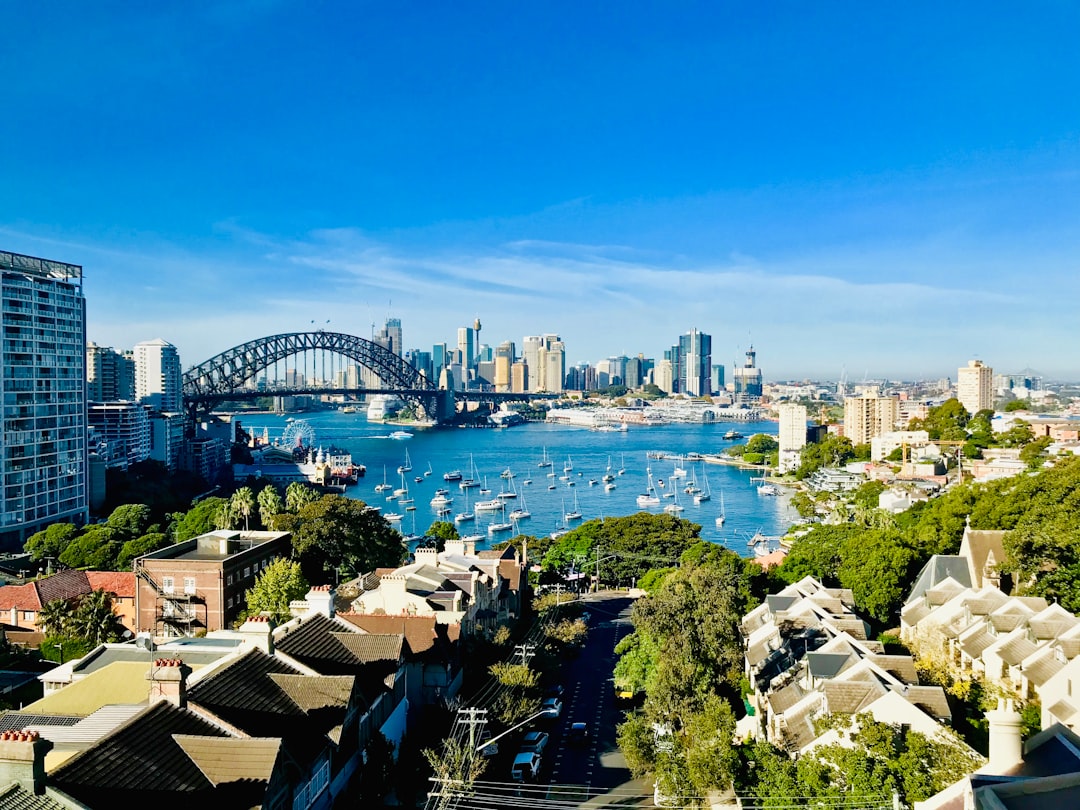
point(28, 615)
point(189, 585)
point(247, 571)
point(228, 579)
point(229, 602)
point(167, 584)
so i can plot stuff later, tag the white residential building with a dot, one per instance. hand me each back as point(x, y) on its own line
point(792, 435)
point(158, 381)
point(43, 431)
point(975, 386)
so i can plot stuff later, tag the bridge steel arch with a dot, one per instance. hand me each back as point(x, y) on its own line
point(226, 374)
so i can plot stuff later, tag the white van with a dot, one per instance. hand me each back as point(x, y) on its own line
point(526, 767)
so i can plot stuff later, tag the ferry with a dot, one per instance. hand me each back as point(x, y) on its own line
point(732, 435)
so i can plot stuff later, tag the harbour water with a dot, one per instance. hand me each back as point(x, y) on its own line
point(520, 449)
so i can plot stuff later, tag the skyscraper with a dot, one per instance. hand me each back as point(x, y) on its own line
point(791, 435)
point(43, 409)
point(695, 363)
point(552, 361)
point(158, 381)
point(389, 337)
point(748, 386)
point(974, 387)
point(110, 376)
point(504, 361)
point(530, 354)
point(466, 344)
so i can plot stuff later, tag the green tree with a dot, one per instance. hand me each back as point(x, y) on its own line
point(270, 505)
point(130, 520)
point(199, 519)
point(1018, 435)
point(638, 744)
point(441, 531)
point(55, 617)
point(95, 621)
point(242, 504)
point(947, 421)
point(51, 541)
point(1034, 452)
point(762, 443)
point(1016, 405)
point(299, 495)
point(277, 585)
point(97, 548)
point(335, 532)
point(833, 451)
point(139, 546)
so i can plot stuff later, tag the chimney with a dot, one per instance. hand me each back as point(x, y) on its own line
point(258, 631)
point(22, 759)
point(321, 599)
point(1006, 748)
point(426, 556)
point(470, 548)
point(455, 547)
point(168, 681)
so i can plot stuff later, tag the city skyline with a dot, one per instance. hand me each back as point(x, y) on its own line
point(892, 196)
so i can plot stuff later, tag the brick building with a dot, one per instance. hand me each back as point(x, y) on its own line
point(200, 584)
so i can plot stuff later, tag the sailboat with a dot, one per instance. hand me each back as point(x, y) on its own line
point(573, 514)
point(607, 477)
point(473, 479)
point(545, 461)
point(522, 512)
point(705, 494)
point(428, 471)
point(467, 515)
point(484, 490)
point(407, 466)
point(403, 491)
point(678, 471)
point(622, 465)
point(501, 526)
point(383, 486)
point(721, 517)
point(674, 507)
point(508, 494)
point(649, 497)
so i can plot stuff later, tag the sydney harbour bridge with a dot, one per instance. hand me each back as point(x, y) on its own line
point(319, 363)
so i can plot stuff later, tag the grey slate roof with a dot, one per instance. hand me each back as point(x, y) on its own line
point(16, 797)
point(937, 569)
point(827, 664)
point(851, 697)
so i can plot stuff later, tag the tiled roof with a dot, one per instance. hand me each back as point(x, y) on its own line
point(783, 699)
point(63, 585)
point(119, 583)
point(1063, 710)
point(139, 759)
point(931, 699)
point(901, 667)
point(1007, 622)
point(225, 760)
point(310, 692)
point(851, 697)
point(1042, 668)
point(943, 592)
point(243, 688)
point(939, 568)
point(20, 597)
point(370, 647)
point(421, 632)
point(16, 797)
point(827, 664)
point(1015, 650)
point(976, 642)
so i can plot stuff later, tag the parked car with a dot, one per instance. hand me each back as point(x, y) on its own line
point(526, 767)
point(579, 734)
point(535, 741)
point(491, 749)
point(552, 707)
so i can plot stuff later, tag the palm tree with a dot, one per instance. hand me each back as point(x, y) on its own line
point(270, 504)
point(55, 617)
point(242, 504)
point(297, 495)
point(95, 620)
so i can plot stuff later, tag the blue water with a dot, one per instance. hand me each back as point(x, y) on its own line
point(521, 448)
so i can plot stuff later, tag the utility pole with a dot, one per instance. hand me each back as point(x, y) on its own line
point(598, 569)
point(526, 651)
point(472, 718)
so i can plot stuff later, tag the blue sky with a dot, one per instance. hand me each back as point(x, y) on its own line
point(890, 190)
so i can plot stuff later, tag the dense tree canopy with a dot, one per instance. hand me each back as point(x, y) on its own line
point(277, 585)
point(338, 533)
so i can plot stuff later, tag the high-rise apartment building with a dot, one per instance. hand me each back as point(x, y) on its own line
point(389, 336)
point(123, 431)
point(110, 375)
point(868, 416)
point(695, 363)
point(466, 345)
point(792, 435)
point(158, 382)
point(519, 378)
point(43, 408)
point(504, 361)
point(530, 354)
point(552, 362)
point(974, 387)
point(748, 387)
point(663, 378)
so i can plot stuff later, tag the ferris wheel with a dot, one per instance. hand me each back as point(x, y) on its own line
point(298, 432)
